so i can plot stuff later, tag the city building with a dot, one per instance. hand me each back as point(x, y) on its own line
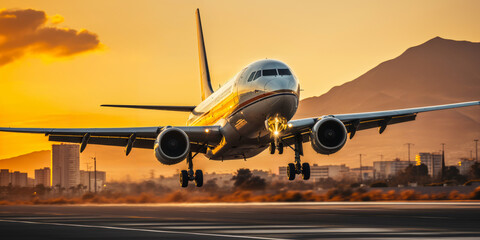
point(387, 169)
point(365, 173)
point(30, 182)
point(42, 176)
point(65, 165)
point(87, 179)
point(433, 162)
point(5, 177)
point(465, 164)
point(19, 179)
point(322, 172)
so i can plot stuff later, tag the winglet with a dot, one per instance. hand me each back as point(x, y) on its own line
point(206, 85)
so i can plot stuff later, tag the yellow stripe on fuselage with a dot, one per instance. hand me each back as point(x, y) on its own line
point(221, 110)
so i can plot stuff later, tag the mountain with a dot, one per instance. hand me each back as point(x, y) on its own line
point(27, 162)
point(438, 71)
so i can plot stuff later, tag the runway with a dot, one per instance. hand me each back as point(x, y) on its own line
point(339, 220)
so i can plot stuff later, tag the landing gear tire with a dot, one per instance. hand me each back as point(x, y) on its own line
point(198, 178)
point(305, 171)
point(280, 148)
point(291, 172)
point(184, 178)
point(272, 148)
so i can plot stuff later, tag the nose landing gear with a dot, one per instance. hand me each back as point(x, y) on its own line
point(187, 176)
point(298, 168)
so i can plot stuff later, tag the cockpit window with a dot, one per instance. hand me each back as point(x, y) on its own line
point(259, 74)
point(270, 72)
point(284, 71)
point(251, 77)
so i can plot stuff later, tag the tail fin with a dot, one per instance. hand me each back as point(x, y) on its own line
point(207, 89)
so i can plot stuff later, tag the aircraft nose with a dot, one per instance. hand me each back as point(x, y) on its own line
point(281, 83)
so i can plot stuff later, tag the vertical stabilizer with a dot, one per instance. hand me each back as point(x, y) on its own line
point(204, 72)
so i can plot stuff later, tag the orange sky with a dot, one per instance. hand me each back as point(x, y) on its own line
point(148, 54)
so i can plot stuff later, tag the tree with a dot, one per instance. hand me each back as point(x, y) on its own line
point(475, 170)
point(211, 186)
point(412, 173)
point(452, 173)
point(40, 189)
point(245, 180)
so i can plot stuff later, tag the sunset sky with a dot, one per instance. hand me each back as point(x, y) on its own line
point(89, 53)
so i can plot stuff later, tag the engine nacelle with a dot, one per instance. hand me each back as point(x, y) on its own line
point(172, 146)
point(328, 135)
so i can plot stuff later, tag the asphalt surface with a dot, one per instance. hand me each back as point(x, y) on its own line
point(401, 220)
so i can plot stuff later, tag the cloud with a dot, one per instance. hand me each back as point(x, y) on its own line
point(26, 31)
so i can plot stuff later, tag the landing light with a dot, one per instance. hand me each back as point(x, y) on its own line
point(276, 124)
point(207, 130)
point(290, 125)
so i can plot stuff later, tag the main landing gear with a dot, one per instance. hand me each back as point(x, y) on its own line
point(186, 176)
point(294, 168)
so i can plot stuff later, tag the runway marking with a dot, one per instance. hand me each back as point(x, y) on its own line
point(428, 217)
point(238, 227)
point(312, 230)
point(142, 230)
point(60, 218)
point(160, 224)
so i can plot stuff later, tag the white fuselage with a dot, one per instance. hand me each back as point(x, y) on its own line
point(263, 89)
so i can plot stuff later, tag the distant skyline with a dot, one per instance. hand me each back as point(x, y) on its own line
point(147, 54)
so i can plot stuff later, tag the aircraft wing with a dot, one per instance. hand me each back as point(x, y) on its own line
point(142, 137)
point(361, 121)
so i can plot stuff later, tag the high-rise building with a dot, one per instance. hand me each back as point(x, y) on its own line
point(65, 165)
point(5, 177)
point(42, 176)
point(433, 162)
point(386, 169)
point(19, 179)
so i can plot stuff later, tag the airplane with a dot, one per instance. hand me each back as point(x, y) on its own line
point(244, 117)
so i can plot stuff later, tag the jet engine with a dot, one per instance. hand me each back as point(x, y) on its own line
point(328, 135)
point(172, 146)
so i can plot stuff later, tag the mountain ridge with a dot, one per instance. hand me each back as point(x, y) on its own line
point(438, 71)
point(416, 77)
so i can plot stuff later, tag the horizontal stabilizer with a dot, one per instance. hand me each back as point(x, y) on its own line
point(154, 107)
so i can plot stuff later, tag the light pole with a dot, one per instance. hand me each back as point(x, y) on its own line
point(443, 161)
point(88, 171)
point(476, 149)
point(95, 172)
point(408, 145)
point(361, 173)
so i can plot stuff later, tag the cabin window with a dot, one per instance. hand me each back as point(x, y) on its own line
point(270, 72)
point(258, 74)
point(251, 76)
point(284, 71)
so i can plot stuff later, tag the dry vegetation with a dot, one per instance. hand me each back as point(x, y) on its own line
point(244, 187)
point(185, 196)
